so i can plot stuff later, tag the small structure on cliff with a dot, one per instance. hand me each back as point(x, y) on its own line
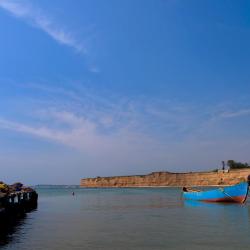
point(167, 179)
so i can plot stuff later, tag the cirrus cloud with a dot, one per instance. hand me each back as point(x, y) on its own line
point(34, 16)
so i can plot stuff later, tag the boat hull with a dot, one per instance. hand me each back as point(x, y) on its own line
point(237, 193)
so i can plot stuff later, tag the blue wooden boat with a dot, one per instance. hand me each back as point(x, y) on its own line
point(237, 193)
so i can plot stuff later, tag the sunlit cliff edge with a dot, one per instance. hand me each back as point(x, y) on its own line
point(168, 179)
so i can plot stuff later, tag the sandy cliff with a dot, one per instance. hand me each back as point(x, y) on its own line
point(157, 179)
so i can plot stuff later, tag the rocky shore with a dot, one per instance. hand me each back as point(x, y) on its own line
point(15, 201)
point(168, 179)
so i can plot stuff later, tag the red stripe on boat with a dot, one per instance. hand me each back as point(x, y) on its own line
point(239, 199)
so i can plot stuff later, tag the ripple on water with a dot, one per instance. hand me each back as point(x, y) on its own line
point(130, 219)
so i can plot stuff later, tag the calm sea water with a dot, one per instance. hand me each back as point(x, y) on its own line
point(114, 219)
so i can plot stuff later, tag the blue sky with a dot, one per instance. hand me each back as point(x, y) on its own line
point(99, 88)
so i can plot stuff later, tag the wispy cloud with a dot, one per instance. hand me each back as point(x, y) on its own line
point(36, 131)
point(34, 16)
point(122, 133)
point(78, 132)
point(113, 131)
point(234, 114)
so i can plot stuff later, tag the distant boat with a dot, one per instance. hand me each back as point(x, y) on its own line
point(237, 193)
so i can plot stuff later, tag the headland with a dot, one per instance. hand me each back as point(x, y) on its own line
point(168, 179)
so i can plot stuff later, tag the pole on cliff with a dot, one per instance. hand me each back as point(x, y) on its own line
point(223, 165)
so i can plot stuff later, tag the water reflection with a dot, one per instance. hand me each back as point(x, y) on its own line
point(191, 203)
point(130, 200)
point(131, 219)
point(237, 214)
point(10, 226)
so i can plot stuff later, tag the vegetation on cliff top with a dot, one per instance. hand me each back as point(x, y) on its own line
point(237, 165)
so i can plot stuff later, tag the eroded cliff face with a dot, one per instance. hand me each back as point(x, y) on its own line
point(159, 179)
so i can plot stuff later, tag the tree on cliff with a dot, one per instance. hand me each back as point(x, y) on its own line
point(237, 165)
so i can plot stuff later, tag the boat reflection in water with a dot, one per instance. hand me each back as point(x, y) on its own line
point(229, 221)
